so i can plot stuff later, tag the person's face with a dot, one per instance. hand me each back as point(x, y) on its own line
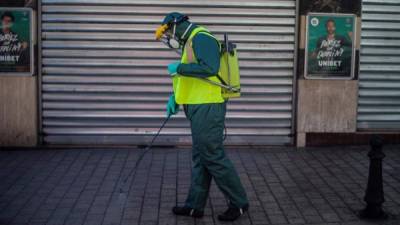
point(169, 32)
point(331, 27)
point(7, 23)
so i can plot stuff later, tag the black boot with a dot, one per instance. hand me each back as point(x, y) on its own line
point(186, 211)
point(233, 213)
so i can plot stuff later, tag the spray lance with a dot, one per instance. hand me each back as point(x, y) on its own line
point(168, 36)
point(122, 194)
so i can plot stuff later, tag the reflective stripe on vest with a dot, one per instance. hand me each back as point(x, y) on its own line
point(190, 90)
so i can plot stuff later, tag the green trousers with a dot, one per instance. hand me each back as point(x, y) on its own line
point(209, 159)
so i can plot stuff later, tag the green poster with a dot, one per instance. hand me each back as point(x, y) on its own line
point(16, 41)
point(330, 46)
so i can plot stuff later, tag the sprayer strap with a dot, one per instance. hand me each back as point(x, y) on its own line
point(225, 85)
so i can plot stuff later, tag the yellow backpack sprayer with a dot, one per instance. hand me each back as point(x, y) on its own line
point(229, 74)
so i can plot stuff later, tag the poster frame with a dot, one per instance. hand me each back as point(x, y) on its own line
point(353, 53)
point(31, 41)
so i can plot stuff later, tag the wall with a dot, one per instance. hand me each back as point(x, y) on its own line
point(18, 104)
point(18, 101)
point(326, 106)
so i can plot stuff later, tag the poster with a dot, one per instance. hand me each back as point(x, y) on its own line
point(16, 50)
point(330, 48)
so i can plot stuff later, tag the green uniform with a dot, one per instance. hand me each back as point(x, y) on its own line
point(209, 158)
point(207, 125)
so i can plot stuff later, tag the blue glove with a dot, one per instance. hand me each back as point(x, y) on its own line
point(173, 68)
point(172, 107)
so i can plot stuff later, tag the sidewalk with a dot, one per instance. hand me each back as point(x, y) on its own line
point(285, 186)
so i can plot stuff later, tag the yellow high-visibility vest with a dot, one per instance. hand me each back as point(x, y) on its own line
point(191, 90)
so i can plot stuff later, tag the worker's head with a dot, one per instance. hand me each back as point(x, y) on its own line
point(174, 30)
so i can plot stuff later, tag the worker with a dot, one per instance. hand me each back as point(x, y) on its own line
point(205, 108)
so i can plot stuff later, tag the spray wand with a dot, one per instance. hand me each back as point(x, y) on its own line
point(122, 194)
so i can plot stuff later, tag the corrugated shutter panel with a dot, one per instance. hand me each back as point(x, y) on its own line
point(105, 79)
point(379, 98)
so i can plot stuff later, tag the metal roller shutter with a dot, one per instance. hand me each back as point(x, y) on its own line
point(379, 95)
point(104, 77)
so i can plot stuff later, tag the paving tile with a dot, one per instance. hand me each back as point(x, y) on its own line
point(285, 186)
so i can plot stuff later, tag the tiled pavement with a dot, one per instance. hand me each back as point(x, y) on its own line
point(285, 186)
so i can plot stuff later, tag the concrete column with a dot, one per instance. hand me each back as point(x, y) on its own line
point(18, 114)
point(19, 98)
